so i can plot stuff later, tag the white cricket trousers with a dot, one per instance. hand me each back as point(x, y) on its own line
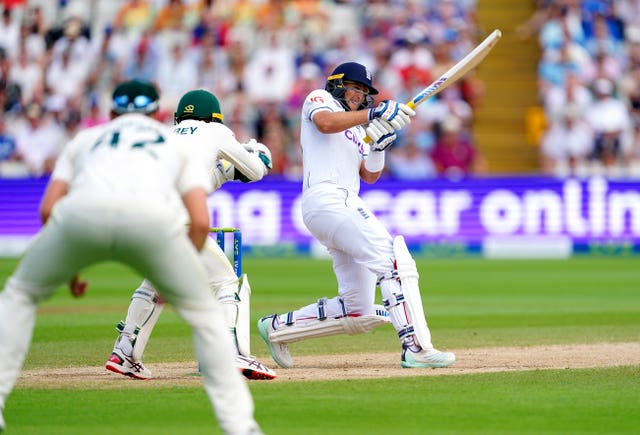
point(152, 240)
point(360, 246)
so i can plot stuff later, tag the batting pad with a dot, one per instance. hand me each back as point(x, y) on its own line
point(314, 328)
point(408, 273)
point(242, 322)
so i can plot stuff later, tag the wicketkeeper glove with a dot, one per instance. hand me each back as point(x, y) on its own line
point(381, 133)
point(222, 172)
point(397, 114)
point(263, 152)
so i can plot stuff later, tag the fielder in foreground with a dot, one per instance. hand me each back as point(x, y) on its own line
point(198, 123)
point(335, 159)
point(107, 201)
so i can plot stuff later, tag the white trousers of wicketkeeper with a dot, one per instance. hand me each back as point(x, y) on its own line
point(362, 251)
point(152, 240)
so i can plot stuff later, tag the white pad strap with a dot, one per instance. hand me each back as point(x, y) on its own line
point(314, 328)
point(236, 306)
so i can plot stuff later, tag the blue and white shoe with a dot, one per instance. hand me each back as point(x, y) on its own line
point(279, 351)
point(426, 358)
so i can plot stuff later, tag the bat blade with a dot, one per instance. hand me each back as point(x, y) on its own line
point(469, 62)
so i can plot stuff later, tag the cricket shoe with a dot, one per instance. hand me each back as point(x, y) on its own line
point(1, 422)
point(251, 368)
point(120, 363)
point(426, 358)
point(279, 351)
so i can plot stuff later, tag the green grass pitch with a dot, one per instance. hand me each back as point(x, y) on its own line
point(470, 303)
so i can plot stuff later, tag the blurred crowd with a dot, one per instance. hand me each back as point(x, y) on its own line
point(588, 85)
point(59, 61)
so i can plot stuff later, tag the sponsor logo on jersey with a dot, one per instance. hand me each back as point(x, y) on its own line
point(352, 137)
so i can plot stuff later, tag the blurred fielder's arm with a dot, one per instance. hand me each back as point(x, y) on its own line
point(57, 189)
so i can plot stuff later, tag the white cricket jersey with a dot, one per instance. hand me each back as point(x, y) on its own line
point(330, 158)
point(216, 141)
point(150, 163)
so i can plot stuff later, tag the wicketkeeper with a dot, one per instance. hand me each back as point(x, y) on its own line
point(198, 122)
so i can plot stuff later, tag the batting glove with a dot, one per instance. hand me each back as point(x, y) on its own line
point(382, 134)
point(397, 114)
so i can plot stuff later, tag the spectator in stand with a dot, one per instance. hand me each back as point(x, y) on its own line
point(603, 41)
point(38, 141)
point(560, 28)
point(10, 166)
point(554, 67)
point(450, 102)
point(533, 24)
point(454, 155)
point(572, 92)
point(32, 42)
point(103, 75)
point(238, 57)
point(389, 80)
point(606, 65)
point(345, 46)
point(66, 78)
point(169, 25)
point(272, 129)
point(7, 143)
point(212, 66)
point(567, 144)
point(176, 75)
point(75, 45)
point(134, 18)
point(143, 64)
point(95, 116)
point(170, 16)
point(270, 72)
point(309, 77)
point(27, 74)
point(307, 53)
point(413, 59)
point(9, 33)
point(9, 92)
point(609, 119)
point(410, 162)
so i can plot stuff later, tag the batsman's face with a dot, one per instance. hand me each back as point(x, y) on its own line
point(355, 94)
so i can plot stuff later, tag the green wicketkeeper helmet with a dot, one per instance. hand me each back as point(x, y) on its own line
point(200, 105)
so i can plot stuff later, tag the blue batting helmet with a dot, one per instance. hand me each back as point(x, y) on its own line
point(350, 72)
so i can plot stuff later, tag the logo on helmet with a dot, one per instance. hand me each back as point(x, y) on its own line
point(189, 108)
